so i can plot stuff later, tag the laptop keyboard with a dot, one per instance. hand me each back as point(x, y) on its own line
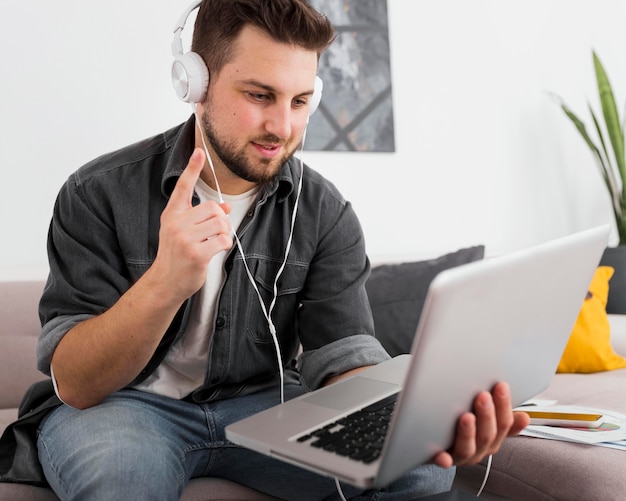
point(359, 436)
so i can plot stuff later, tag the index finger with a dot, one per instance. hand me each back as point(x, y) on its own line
point(183, 191)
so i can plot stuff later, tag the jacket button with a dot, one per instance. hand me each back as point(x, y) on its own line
point(220, 322)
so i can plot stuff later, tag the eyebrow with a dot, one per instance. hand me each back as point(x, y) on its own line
point(270, 88)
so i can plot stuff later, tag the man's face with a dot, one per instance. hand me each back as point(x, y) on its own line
point(257, 107)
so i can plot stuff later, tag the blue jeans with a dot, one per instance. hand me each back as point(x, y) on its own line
point(137, 445)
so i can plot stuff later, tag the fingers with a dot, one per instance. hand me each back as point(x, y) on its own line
point(482, 432)
point(190, 235)
point(183, 191)
point(494, 419)
point(520, 421)
point(465, 446)
point(210, 223)
point(504, 415)
point(195, 224)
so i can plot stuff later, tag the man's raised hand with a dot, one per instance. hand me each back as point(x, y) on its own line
point(190, 236)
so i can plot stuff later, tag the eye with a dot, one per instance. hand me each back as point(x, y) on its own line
point(299, 102)
point(259, 97)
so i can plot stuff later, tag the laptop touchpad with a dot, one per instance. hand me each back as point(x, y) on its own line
point(348, 393)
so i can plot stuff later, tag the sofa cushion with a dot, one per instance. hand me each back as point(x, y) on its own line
point(17, 368)
point(19, 301)
point(23, 492)
point(615, 257)
point(397, 293)
point(19, 331)
point(589, 347)
point(198, 489)
point(7, 416)
point(220, 489)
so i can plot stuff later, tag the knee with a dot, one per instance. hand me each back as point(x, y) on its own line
point(82, 461)
point(429, 479)
point(425, 480)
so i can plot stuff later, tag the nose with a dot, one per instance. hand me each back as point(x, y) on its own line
point(279, 119)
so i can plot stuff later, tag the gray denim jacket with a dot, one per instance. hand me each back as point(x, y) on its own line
point(104, 236)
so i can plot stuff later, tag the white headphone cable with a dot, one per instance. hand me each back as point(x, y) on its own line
point(206, 151)
point(266, 313)
point(339, 491)
point(488, 469)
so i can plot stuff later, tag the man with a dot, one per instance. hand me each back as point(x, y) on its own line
point(159, 331)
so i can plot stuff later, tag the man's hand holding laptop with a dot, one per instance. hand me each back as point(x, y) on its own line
point(482, 432)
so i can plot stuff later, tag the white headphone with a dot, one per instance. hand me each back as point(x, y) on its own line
point(190, 76)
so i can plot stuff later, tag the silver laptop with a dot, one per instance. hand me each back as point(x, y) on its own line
point(506, 318)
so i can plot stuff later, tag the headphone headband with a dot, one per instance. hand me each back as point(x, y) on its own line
point(177, 43)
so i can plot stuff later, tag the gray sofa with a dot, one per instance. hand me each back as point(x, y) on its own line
point(525, 468)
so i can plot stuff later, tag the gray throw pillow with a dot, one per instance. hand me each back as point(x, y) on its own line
point(616, 258)
point(397, 293)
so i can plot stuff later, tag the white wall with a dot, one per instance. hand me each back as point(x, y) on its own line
point(483, 153)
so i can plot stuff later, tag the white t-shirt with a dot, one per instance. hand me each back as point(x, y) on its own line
point(184, 367)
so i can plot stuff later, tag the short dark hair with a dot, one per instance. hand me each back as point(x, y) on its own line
point(294, 22)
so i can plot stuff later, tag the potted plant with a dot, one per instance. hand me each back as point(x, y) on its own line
point(608, 153)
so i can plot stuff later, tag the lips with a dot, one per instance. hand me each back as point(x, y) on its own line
point(268, 150)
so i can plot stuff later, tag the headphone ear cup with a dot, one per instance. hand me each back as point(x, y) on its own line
point(318, 86)
point(190, 77)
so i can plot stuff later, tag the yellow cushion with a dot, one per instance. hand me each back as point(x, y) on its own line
point(589, 347)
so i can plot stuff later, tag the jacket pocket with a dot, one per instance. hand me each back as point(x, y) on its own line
point(285, 298)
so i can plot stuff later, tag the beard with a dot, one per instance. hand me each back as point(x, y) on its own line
point(260, 170)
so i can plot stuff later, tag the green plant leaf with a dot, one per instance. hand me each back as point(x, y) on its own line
point(605, 169)
point(608, 170)
point(580, 126)
point(611, 116)
point(612, 166)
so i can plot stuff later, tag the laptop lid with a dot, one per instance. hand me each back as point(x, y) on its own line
point(506, 318)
